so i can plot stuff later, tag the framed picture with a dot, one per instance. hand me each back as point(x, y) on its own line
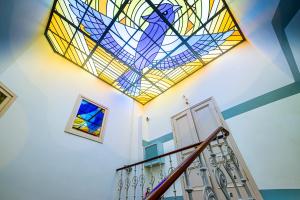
point(87, 119)
point(7, 97)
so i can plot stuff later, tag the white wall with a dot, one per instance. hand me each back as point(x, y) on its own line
point(19, 24)
point(268, 138)
point(292, 31)
point(251, 69)
point(38, 160)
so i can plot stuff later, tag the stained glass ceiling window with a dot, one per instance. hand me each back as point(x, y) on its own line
point(142, 47)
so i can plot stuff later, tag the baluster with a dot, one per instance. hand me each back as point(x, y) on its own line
point(172, 169)
point(134, 182)
point(218, 172)
point(188, 188)
point(127, 182)
point(120, 184)
point(152, 178)
point(235, 163)
point(227, 167)
point(161, 174)
point(208, 192)
point(142, 180)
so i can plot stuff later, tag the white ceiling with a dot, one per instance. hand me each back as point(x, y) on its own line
point(20, 21)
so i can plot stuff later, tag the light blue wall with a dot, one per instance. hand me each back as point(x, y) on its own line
point(293, 32)
point(284, 14)
point(262, 100)
point(251, 104)
point(162, 139)
point(280, 194)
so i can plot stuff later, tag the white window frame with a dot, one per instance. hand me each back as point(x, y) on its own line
point(69, 128)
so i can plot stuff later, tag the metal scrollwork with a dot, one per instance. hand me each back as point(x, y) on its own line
point(127, 183)
point(134, 181)
point(229, 171)
point(213, 160)
point(120, 185)
point(142, 180)
point(152, 180)
point(221, 178)
point(218, 168)
point(236, 167)
point(195, 165)
point(209, 194)
point(232, 156)
point(221, 181)
point(161, 175)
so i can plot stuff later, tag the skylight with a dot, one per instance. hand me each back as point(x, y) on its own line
point(142, 47)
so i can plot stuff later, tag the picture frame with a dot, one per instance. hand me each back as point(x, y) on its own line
point(7, 97)
point(88, 119)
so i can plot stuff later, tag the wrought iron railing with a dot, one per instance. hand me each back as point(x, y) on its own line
point(163, 177)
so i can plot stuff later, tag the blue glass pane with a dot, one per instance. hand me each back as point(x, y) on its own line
point(89, 118)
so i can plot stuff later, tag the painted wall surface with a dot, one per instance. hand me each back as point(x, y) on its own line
point(254, 68)
point(268, 138)
point(293, 32)
point(38, 160)
point(19, 24)
point(288, 194)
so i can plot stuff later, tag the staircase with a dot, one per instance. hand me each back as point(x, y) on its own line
point(162, 177)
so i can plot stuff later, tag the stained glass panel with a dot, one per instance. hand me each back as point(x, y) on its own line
point(89, 118)
point(142, 48)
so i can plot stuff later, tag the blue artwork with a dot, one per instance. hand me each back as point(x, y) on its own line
point(89, 118)
point(141, 50)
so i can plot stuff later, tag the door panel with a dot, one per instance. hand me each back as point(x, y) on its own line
point(185, 130)
point(206, 120)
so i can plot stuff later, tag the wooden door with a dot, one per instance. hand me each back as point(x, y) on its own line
point(185, 134)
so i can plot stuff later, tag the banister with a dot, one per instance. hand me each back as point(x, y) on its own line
point(168, 153)
point(160, 156)
point(164, 185)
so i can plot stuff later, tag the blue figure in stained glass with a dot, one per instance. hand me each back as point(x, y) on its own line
point(149, 42)
point(147, 49)
point(89, 118)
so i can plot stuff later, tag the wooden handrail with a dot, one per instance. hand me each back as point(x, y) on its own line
point(164, 185)
point(166, 154)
